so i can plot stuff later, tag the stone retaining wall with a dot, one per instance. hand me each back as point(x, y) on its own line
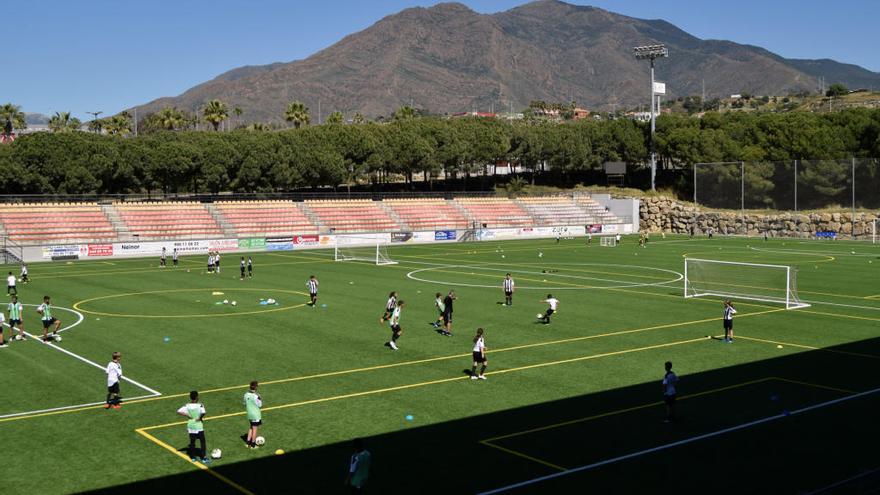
point(663, 214)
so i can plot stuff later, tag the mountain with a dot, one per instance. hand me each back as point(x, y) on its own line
point(36, 118)
point(448, 58)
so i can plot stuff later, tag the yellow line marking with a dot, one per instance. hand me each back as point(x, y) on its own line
point(812, 348)
point(97, 273)
point(77, 307)
point(395, 365)
point(815, 385)
point(435, 382)
point(524, 456)
point(839, 315)
point(621, 411)
point(199, 465)
point(875, 297)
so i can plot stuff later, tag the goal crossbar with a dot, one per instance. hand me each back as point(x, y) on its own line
point(354, 248)
point(750, 281)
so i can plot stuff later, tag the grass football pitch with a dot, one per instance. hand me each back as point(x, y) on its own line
point(570, 407)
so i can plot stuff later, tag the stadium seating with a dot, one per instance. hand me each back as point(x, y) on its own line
point(496, 212)
point(427, 214)
point(598, 212)
point(55, 222)
point(168, 220)
point(352, 216)
point(258, 218)
point(556, 210)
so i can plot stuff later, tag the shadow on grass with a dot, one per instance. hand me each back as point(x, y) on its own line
point(800, 453)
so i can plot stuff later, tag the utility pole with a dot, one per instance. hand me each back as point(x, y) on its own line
point(95, 119)
point(703, 101)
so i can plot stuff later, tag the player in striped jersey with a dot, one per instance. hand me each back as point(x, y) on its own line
point(241, 267)
point(210, 262)
point(24, 274)
point(216, 261)
point(250, 267)
point(509, 287)
point(729, 311)
point(395, 326)
point(15, 309)
point(195, 427)
point(479, 356)
point(163, 259)
point(174, 259)
point(389, 307)
point(313, 284)
point(45, 310)
point(438, 303)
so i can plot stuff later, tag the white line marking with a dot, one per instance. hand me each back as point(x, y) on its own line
point(75, 406)
point(676, 444)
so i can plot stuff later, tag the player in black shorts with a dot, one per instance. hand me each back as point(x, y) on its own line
point(479, 356)
point(447, 313)
point(241, 266)
point(250, 267)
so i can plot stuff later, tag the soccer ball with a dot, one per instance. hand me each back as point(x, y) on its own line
point(226, 301)
point(540, 255)
point(216, 454)
point(539, 316)
point(57, 338)
point(260, 441)
point(40, 310)
point(233, 303)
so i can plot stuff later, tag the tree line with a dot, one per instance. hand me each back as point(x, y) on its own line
point(410, 149)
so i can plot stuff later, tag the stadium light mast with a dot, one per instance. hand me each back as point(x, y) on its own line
point(652, 52)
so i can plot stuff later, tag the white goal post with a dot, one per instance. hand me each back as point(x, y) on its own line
point(736, 280)
point(608, 241)
point(361, 248)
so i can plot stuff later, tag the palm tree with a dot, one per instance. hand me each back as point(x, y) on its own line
point(237, 111)
point(12, 118)
point(405, 112)
point(358, 118)
point(215, 112)
point(119, 125)
point(335, 118)
point(63, 122)
point(171, 119)
point(297, 113)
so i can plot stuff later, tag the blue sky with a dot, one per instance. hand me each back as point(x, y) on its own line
point(108, 55)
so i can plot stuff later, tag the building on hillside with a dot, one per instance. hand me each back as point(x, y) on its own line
point(580, 113)
point(486, 115)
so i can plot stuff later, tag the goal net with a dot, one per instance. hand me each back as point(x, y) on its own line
point(753, 281)
point(361, 248)
point(608, 241)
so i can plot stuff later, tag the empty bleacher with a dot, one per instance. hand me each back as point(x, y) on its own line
point(427, 214)
point(342, 216)
point(596, 211)
point(34, 223)
point(496, 212)
point(556, 210)
point(168, 220)
point(258, 218)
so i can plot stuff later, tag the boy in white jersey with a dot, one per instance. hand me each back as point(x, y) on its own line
point(174, 259)
point(241, 268)
point(114, 373)
point(45, 310)
point(250, 267)
point(210, 262)
point(195, 427)
point(389, 307)
point(729, 311)
point(15, 309)
point(313, 284)
point(395, 326)
point(669, 381)
point(10, 285)
point(553, 304)
point(163, 259)
point(24, 274)
point(479, 355)
point(216, 261)
point(441, 308)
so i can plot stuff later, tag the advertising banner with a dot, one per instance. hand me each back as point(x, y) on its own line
point(401, 236)
point(279, 244)
point(70, 252)
point(327, 240)
point(609, 228)
point(97, 250)
point(223, 245)
point(306, 240)
point(252, 243)
point(444, 235)
point(596, 228)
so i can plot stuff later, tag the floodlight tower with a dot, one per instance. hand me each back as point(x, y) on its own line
point(652, 52)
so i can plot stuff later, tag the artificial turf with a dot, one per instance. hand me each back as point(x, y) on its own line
point(582, 391)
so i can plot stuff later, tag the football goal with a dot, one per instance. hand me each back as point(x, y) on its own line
point(608, 241)
point(734, 280)
point(361, 248)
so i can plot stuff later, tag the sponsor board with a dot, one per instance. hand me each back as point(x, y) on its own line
point(327, 240)
point(97, 250)
point(68, 252)
point(279, 244)
point(595, 228)
point(424, 236)
point(401, 236)
point(610, 228)
point(306, 240)
point(252, 243)
point(444, 235)
point(223, 245)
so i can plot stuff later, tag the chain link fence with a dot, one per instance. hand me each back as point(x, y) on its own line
point(839, 197)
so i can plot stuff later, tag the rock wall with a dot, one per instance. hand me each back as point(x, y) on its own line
point(663, 214)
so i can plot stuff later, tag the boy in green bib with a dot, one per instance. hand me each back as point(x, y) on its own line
point(195, 414)
point(252, 403)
